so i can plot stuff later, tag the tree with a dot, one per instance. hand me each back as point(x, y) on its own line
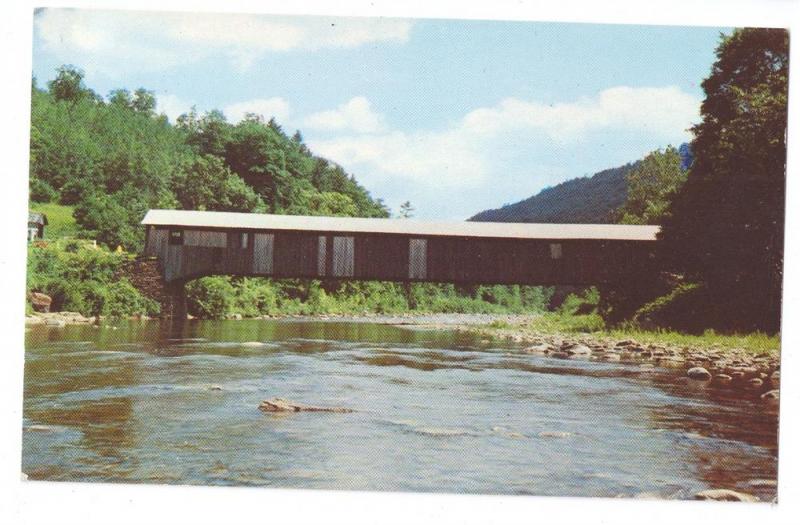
point(650, 186)
point(205, 183)
point(68, 85)
point(406, 210)
point(120, 98)
point(109, 221)
point(725, 225)
point(144, 101)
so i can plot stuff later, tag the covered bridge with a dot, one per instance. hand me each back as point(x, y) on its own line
point(191, 244)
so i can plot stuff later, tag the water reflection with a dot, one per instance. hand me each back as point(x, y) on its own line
point(176, 403)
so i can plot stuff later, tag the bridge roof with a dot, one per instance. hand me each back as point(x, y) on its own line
point(263, 221)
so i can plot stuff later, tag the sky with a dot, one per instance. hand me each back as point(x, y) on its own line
point(455, 116)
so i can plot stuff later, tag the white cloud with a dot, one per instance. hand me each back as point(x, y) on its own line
point(354, 115)
point(115, 40)
point(265, 107)
point(469, 151)
point(661, 111)
point(423, 158)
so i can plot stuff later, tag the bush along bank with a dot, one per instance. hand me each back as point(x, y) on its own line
point(79, 278)
point(220, 297)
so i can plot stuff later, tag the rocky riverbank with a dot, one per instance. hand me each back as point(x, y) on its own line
point(61, 319)
point(713, 363)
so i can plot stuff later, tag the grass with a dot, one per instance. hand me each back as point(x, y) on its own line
point(592, 324)
point(60, 222)
point(757, 342)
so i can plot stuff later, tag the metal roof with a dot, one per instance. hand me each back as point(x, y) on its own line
point(263, 221)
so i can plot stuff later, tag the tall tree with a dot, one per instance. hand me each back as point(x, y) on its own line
point(650, 185)
point(68, 85)
point(725, 226)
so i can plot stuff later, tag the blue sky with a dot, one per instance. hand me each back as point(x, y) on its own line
point(456, 116)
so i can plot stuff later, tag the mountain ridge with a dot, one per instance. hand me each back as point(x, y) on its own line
point(588, 200)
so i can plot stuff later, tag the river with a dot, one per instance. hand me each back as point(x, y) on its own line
point(434, 411)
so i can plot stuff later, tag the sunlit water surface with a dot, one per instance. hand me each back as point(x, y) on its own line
point(434, 411)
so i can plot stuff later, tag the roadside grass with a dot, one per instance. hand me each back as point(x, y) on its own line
point(60, 222)
point(592, 324)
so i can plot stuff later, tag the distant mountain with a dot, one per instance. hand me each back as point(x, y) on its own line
point(589, 200)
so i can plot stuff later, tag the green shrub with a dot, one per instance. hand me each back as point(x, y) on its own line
point(687, 307)
point(74, 275)
point(41, 191)
point(255, 296)
point(122, 300)
point(210, 297)
point(581, 304)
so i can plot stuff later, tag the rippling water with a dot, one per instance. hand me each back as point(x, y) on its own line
point(434, 411)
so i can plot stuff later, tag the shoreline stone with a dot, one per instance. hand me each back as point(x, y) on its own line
point(724, 495)
point(699, 373)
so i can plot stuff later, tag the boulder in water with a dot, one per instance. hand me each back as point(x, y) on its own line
point(700, 373)
point(578, 349)
point(724, 495)
point(554, 434)
point(538, 349)
point(772, 394)
point(278, 404)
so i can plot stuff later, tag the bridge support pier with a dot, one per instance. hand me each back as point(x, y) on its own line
point(173, 303)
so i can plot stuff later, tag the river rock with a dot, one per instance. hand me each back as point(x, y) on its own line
point(755, 381)
point(578, 349)
point(278, 404)
point(776, 376)
point(40, 302)
point(772, 394)
point(554, 434)
point(724, 495)
point(763, 483)
point(59, 323)
point(723, 378)
point(698, 372)
point(611, 356)
point(537, 349)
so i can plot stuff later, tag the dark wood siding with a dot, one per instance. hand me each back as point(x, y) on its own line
point(381, 257)
point(295, 254)
point(285, 254)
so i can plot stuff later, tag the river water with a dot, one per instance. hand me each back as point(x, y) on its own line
point(434, 411)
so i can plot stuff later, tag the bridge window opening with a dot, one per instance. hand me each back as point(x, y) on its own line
point(176, 237)
point(208, 239)
point(417, 258)
point(322, 255)
point(263, 253)
point(343, 256)
point(556, 251)
point(244, 240)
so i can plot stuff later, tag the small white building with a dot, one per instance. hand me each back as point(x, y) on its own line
point(36, 224)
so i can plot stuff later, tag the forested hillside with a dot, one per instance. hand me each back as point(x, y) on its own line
point(583, 200)
point(599, 198)
point(99, 163)
point(115, 157)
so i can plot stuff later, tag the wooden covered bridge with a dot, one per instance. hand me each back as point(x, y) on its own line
point(192, 244)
